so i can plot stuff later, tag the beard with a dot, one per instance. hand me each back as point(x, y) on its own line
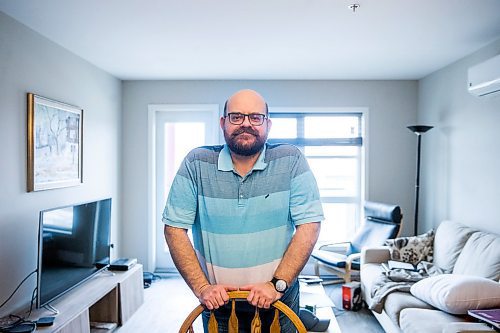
point(243, 147)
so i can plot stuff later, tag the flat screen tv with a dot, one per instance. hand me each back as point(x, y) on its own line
point(73, 245)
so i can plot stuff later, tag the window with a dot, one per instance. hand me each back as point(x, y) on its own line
point(333, 145)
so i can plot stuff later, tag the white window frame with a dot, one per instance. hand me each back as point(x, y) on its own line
point(363, 177)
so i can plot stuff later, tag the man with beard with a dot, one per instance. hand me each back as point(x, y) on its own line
point(255, 212)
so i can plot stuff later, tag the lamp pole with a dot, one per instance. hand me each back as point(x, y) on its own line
point(418, 130)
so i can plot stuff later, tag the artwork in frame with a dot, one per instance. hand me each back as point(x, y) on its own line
point(55, 132)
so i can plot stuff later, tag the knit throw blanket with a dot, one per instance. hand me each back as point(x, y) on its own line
point(398, 280)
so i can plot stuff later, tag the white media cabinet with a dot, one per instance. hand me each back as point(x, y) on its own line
point(110, 297)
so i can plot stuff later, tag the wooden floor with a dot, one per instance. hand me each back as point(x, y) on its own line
point(361, 321)
point(168, 302)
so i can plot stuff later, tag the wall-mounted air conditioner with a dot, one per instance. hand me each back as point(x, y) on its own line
point(484, 78)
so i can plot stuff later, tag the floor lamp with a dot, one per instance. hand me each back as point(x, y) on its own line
point(418, 130)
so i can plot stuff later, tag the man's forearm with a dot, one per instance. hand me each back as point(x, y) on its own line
point(185, 259)
point(298, 251)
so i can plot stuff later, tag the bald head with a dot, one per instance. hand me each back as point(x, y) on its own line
point(246, 101)
point(246, 137)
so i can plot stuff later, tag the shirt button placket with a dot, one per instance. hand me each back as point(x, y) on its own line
point(241, 194)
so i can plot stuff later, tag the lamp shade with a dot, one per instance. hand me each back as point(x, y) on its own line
point(419, 129)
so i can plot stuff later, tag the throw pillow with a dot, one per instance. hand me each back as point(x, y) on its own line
point(455, 293)
point(449, 241)
point(412, 249)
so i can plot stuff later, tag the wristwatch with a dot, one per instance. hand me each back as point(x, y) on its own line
point(280, 285)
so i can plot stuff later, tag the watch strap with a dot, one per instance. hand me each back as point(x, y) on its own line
point(280, 285)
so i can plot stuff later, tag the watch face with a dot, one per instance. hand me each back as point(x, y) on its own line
point(280, 285)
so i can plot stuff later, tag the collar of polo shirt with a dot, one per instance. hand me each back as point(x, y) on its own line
point(225, 163)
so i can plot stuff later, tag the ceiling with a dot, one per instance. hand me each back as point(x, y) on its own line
point(264, 39)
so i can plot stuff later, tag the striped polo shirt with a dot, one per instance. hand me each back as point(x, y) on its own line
point(242, 225)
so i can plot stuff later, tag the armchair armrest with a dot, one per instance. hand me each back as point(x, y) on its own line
point(335, 247)
point(459, 327)
point(375, 255)
point(350, 259)
point(348, 265)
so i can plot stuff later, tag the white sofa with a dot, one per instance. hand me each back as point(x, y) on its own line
point(458, 249)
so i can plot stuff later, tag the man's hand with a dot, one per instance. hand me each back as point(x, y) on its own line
point(214, 296)
point(262, 295)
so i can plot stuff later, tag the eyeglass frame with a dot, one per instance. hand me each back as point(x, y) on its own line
point(262, 117)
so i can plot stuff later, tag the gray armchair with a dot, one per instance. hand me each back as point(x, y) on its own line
point(382, 222)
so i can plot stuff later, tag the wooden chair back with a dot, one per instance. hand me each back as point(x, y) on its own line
point(187, 326)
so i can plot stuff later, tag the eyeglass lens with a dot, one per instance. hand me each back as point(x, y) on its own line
point(239, 118)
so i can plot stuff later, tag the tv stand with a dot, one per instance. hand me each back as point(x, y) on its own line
point(109, 297)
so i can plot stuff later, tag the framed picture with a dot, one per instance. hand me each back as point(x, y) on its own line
point(55, 133)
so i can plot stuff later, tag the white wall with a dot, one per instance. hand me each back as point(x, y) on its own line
point(392, 106)
point(31, 63)
point(461, 159)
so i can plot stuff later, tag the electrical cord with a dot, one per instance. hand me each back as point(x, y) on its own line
point(21, 321)
point(20, 325)
point(20, 284)
point(33, 298)
point(11, 324)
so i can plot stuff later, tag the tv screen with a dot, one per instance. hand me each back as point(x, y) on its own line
point(74, 244)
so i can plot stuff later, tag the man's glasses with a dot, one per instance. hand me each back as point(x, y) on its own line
point(237, 118)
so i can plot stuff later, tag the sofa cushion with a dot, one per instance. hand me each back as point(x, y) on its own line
point(426, 320)
point(480, 256)
point(395, 302)
point(454, 293)
point(449, 240)
point(412, 249)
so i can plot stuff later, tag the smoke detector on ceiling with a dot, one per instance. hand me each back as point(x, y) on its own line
point(354, 7)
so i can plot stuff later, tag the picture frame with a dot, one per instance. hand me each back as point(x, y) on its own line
point(55, 144)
